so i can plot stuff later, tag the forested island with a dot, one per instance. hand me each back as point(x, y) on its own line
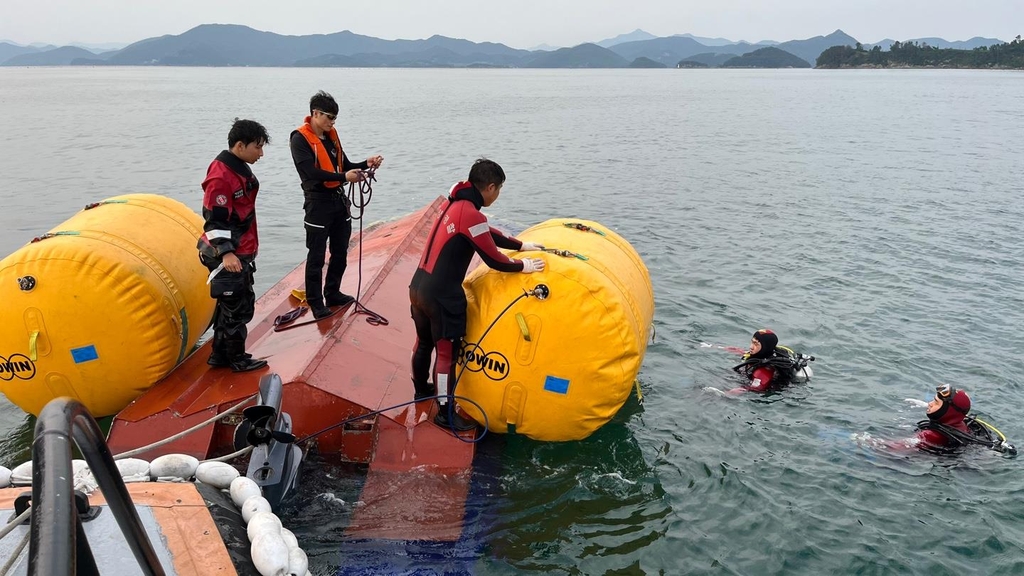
point(920, 55)
point(769, 57)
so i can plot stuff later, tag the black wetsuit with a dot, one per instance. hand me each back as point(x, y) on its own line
point(327, 216)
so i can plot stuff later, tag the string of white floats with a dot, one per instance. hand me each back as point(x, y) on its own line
point(273, 548)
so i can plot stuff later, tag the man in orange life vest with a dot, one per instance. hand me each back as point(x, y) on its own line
point(324, 168)
point(438, 301)
point(229, 244)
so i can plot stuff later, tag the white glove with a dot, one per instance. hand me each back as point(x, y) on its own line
point(915, 402)
point(527, 246)
point(531, 265)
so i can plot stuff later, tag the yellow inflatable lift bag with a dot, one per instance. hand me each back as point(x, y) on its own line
point(561, 367)
point(103, 305)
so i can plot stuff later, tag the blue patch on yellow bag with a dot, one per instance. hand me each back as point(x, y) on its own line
point(84, 354)
point(555, 384)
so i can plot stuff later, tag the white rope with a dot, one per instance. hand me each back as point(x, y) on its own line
point(14, 523)
point(14, 555)
point(231, 456)
point(184, 433)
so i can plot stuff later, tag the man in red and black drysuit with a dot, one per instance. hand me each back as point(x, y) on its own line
point(949, 407)
point(230, 243)
point(438, 300)
point(762, 377)
point(324, 169)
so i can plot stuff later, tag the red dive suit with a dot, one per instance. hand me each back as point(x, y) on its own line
point(438, 302)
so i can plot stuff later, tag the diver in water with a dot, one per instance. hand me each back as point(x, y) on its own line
point(949, 427)
point(769, 366)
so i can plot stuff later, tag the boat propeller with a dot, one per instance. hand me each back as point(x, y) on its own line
point(260, 423)
point(275, 459)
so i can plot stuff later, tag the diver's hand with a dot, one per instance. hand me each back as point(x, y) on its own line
point(231, 262)
point(916, 403)
point(714, 391)
point(531, 265)
point(530, 246)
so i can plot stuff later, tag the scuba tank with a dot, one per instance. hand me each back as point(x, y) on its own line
point(789, 366)
point(981, 433)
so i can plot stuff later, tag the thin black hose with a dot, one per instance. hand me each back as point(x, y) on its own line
point(365, 193)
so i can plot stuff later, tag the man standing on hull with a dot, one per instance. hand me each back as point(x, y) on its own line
point(229, 244)
point(323, 169)
point(438, 301)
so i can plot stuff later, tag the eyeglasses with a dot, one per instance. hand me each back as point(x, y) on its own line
point(331, 117)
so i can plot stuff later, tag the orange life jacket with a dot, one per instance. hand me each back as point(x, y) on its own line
point(323, 161)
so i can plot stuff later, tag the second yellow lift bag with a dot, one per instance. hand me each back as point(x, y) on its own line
point(558, 368)
point(103, 305)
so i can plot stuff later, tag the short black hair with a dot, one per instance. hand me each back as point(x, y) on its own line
point(485, 172)
point(323, 102)
point(247, 132)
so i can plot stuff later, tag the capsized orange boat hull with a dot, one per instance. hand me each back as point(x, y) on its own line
point(333, 370)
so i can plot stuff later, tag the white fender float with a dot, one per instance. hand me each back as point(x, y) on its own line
point(242, 489)
point(174, 466)
point(216, 474)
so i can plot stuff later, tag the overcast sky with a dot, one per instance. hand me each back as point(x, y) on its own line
point(520, 24)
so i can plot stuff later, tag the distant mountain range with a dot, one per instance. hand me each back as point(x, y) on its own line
point(10, 49)
point(637, 35)
point(234, 45)
point(94, 48)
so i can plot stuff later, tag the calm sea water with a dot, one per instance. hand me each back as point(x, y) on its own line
point(872, 218)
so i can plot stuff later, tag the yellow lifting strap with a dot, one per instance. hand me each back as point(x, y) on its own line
point(33, 338)
point(522, 326)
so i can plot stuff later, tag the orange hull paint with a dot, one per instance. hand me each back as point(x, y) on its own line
point(333, 370)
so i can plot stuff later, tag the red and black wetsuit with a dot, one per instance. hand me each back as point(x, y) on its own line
point(436, 294)
point(229, 208)
point(951, 414)
point(761, 379)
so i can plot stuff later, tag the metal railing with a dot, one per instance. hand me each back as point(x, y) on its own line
point(58, 545)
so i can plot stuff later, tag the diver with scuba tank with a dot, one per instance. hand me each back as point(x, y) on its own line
point(949, 426)
point(767, 366)
point(948, 429)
